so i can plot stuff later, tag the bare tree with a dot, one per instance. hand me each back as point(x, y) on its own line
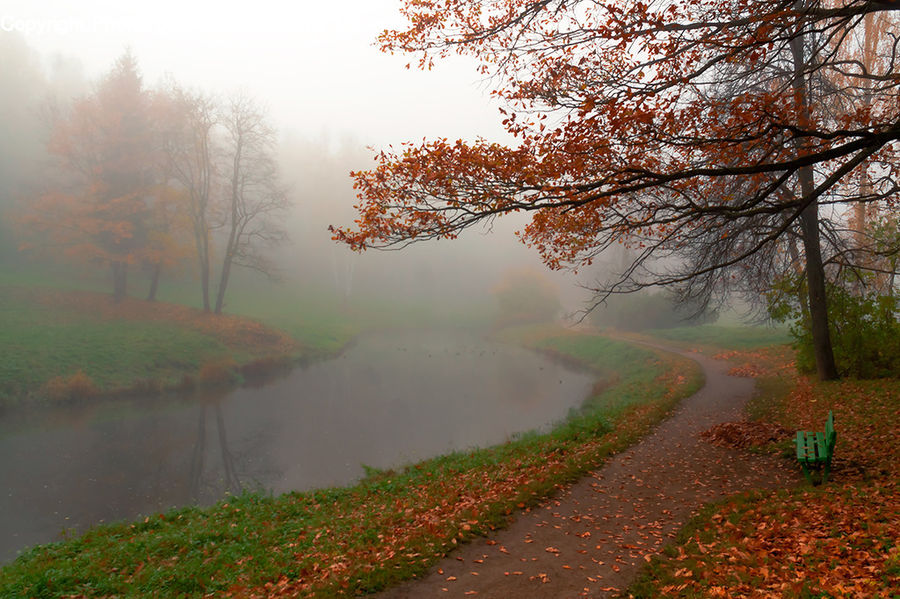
point(255, 196)
point(190, 147)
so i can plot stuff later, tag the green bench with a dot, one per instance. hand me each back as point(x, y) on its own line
point(815, 449)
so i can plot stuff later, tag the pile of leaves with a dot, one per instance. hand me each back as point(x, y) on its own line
point(746, 433)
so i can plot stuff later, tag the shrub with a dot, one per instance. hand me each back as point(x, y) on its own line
point(865, 333)
point(74, 387)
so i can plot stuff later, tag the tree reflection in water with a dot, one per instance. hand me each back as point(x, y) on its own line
point(230, 482)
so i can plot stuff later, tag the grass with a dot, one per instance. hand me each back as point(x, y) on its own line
point(391, 526)
point(724, 337)
point(49, 334)
point(804, 543)
point(833, 540)
point(48, 337)
point(69, 335)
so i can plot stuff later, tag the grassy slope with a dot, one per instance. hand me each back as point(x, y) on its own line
point(834, 540)
point(47, 336)
point(340, 542)
point(55, 323)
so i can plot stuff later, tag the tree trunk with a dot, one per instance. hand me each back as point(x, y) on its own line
point(204, 284)
point(809, 225)
point(154, 282)
point(201, 241)
point(815, 280)
point(235, 222)
point(223, 284)
point(119, 281)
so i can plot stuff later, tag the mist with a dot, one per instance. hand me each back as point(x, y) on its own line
point(172, 340)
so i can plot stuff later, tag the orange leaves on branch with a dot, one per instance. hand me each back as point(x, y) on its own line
point(623, 129)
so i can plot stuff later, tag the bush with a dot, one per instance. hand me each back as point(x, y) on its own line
point(217, 372)
point(865, 333)
point(77, 386)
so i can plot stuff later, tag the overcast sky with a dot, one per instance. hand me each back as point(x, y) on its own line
point(312, 63)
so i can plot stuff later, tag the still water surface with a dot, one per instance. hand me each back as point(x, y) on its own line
point(390, 399)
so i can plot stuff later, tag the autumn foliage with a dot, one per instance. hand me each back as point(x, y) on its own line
point(74, 387)
point(101, 211)
point(607, 134)
point(146, 176)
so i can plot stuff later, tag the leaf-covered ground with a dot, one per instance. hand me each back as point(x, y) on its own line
point(841, 539)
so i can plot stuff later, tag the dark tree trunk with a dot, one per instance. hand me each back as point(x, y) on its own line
point(154, 282)
point(201, 239)
point(223, 285)
point(119, 281)
point(809, 225)
point(815, 280)
point(204, 285)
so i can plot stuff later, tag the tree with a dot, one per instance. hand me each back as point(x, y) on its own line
point(189, 144)
point(623, 138)
point(221, 157)
point(99, 214)
point(863, 219)
point(255, 197)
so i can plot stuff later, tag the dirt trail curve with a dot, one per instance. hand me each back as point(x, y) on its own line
point(591, 540)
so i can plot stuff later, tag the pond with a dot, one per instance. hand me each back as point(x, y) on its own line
point(389, 400)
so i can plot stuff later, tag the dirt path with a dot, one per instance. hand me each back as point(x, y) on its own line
point(592, 539)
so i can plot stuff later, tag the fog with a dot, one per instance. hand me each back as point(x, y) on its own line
point(327, 89)
point(314, 64)
point(331, 99)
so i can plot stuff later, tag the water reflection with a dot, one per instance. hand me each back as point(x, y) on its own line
point(389, 400)
point(230, 481)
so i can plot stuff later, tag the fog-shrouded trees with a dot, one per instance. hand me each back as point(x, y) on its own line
point(150, 176)
point(98, 212)
point(189, 144)
point(254, 196)
point(705, 136)
point(222, 155)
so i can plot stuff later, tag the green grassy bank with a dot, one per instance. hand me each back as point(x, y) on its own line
point(391, 526)
point(62, 337)
point(63, 344)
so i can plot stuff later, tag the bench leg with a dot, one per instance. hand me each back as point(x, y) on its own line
point(807, 473)
point(826, 471)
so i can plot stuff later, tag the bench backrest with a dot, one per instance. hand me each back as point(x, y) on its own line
point(830, 434)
